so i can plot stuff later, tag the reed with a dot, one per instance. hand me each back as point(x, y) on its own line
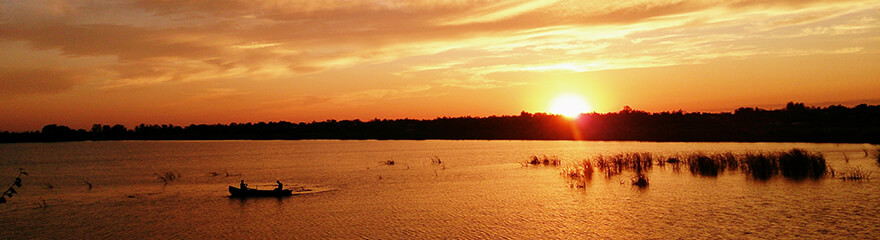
point(166, 178)
point(88, 184)
point(799, 164)
point(796, 164)
point(640, 180)
point(760, 166)
point(855, 174)
point(615, 164)
point(543, 160)
point(704, 165)
point(580, 171)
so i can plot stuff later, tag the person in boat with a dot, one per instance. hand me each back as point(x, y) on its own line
point(243, 185)
point(280, 186)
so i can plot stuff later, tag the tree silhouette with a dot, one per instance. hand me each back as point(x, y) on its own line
point(794, 123)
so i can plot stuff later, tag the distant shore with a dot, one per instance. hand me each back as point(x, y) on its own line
point(794, 123)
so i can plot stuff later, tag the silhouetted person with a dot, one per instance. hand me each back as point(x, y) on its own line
point(280, 186)
point(243, 185)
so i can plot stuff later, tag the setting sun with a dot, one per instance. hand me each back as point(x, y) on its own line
point(569, 105)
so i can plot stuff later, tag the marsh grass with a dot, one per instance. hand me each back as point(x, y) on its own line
point(613, 165)
point(711, 164)
point(88, 184)
point(799, 164)
point(225, 174)
point(543, 160)
point(167, 177)
point(795, 164)
point(855, 174)
point(701, 164)
point(582, 170)
point(640, 180)
point(760, 166)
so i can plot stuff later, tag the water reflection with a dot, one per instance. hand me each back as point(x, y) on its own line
point(479, 190)
point(250, 202)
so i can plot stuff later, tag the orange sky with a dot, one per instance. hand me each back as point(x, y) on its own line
point(78, 63)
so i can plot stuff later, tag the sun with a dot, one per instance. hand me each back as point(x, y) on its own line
point(569, 105)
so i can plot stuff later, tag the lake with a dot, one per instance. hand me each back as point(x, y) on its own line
point(481, 189)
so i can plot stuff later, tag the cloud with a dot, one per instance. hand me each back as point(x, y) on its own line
point(160, 42)
point(220, 94)
point(37, 81)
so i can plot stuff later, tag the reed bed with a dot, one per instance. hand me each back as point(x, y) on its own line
point(615, 164)
point(800, 164)
point(795, 164)
point(582, 170)
point(640, 180)
point(760, 166)
point(543, 160)
point(855, 174)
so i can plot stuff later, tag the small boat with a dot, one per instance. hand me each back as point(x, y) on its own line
point(249, 192)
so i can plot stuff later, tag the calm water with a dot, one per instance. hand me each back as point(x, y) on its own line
point(480, 191)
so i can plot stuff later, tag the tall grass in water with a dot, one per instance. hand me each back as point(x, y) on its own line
point(711, 165)
point(796, 164)
point(543, 160)
point(760, 166)
point(580, 171)
point(704, 165)
point(799, 164)
point(640, 180)
point(855, 174)
point(615, 164)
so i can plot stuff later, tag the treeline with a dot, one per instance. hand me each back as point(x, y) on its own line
point(794, 123)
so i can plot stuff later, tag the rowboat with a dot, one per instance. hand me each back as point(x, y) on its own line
point(249, 192)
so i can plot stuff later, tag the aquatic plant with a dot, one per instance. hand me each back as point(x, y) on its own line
point(760, 166)
point(543, 160)
point(855, 174)
point(640, 180)
point(799, 164)
point(794, 164)
point(169, 176)
point(11, 190)
point(608, 166)
point(615, 164)
point(41, 204)
point(704, 165)
point(710, 164)
point(88, 184)
point(572, 172)
point(583, 170)
point(225, 174)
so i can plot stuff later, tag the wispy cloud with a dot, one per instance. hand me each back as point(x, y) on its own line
point(113, 45)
